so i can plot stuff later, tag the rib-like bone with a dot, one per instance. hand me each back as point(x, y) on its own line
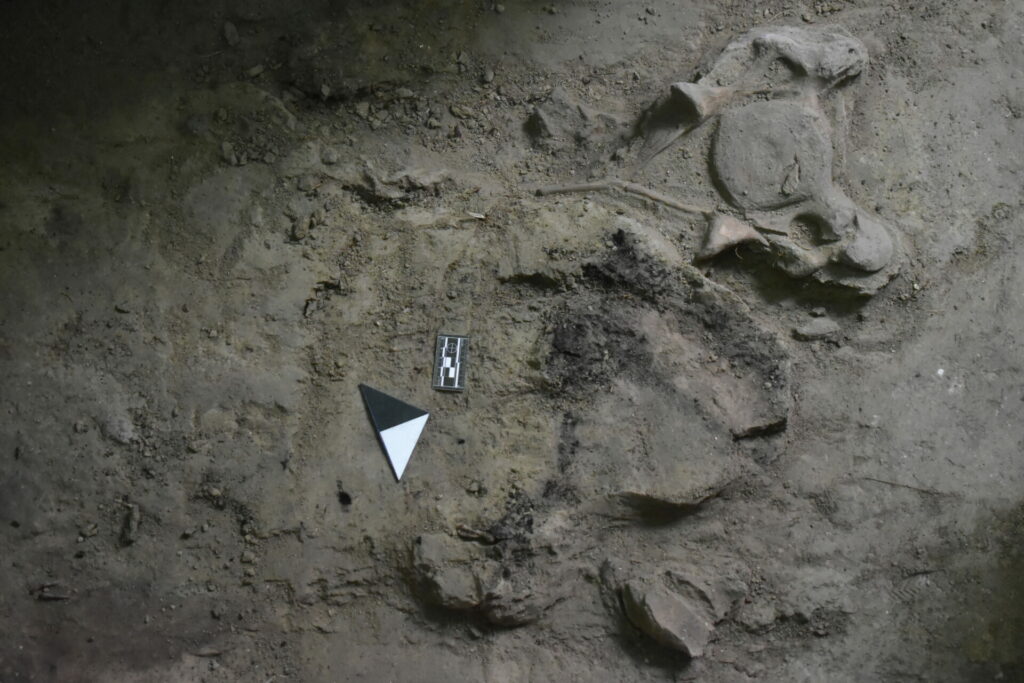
point(625, 186)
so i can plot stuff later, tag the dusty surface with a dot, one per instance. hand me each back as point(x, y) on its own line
point(217, 219)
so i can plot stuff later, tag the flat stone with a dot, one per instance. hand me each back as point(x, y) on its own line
point(816, 328)
point(666, 617)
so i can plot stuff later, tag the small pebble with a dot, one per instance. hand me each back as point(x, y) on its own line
point(230, 34)
point(817, 328)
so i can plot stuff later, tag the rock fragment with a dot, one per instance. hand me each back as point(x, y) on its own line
point(509, 605)
point(227, 153)
point(666, 617)
point(330, 156)
point(230, 34)
point(119, 429)
point(51, 592)
point(816, 328)
point(445, 572)
point(538, 125)
point(130, 525)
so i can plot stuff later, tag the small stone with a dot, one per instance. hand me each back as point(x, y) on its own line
point(249, 572)
point(499, 8)
point(432, 122)
point(130, 526)
point(506, 604)
point(818, 328)
point(666, 617)
point(248, 557)
point(363, 109)
point(538, 125)
point(488, 76)
point(227, 153)
point(329, 156)
point(255, 71)
point(119, 430)
point(81, 426)
point(230, 34)
point(818, 312)
point(757, 616)
point(197, 124)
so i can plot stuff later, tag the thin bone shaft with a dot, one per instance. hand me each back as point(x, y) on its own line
point(624, 186)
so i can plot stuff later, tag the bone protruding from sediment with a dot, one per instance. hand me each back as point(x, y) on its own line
point(629, 188)
point(725, 232)
point(705, 100)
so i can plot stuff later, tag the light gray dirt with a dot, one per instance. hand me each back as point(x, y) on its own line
point(218, 219)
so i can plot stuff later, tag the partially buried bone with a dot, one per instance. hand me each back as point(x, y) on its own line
point(625, 186)
point(704, 101)
point(725, 232)
point(821, 58)
point(772, 157)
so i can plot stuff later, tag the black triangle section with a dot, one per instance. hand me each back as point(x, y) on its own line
point(387, 411)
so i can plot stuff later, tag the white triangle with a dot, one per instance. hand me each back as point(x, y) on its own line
point(400, 440)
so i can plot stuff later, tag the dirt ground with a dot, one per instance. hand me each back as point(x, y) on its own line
point(217, 219)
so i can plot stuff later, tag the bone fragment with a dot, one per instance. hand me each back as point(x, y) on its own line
point(628, 187)
point(725, 232)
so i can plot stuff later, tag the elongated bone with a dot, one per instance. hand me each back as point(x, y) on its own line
point(625, 186)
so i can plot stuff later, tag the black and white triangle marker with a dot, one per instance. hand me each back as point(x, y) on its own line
point(398, 426)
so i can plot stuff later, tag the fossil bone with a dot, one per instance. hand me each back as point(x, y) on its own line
point(725, 232)
point(625, 186)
